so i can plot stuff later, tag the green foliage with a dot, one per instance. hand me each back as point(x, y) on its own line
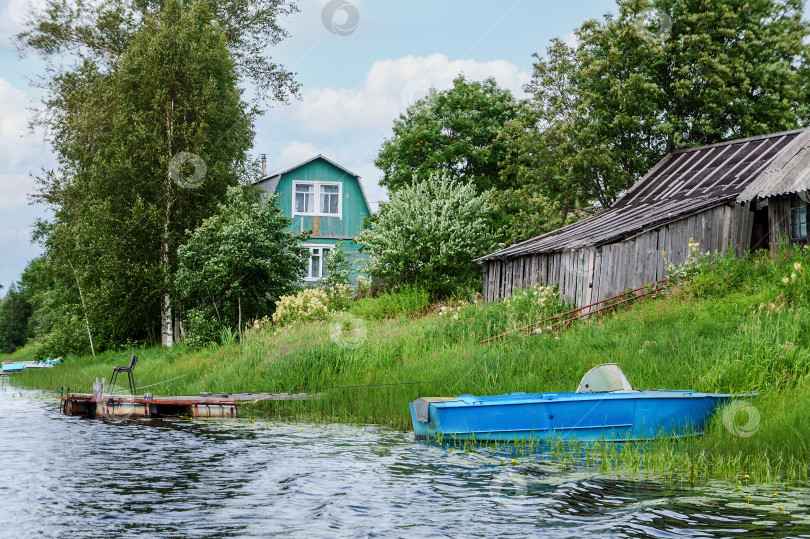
point(338, 267)
point(308, 304)
point(695, 263)
point(237, 264)
point(406, 301)
point(453, 133)
point(743, 337)
point(101, 31)
point(15, 310)
point(130, 86)
point(525, 213)
point(533, 304)
point(636, 86)
point(429, 235)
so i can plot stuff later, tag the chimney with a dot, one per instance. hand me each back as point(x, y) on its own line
point(264, 165)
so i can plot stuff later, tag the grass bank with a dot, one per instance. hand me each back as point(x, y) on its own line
point(737, 327)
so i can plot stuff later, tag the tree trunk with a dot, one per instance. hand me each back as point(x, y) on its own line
point(167, 320)
point(84, 309)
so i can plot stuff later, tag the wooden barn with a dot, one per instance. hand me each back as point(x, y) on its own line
point(743, 195)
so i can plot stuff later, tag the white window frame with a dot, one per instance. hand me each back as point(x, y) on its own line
point(317, 194)
point(320, 246)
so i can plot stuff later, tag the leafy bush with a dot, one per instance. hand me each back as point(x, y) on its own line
point(236, 263)
point(202, 326)
point(340, 296)
point(309, 304)
point(693, 265)
point(338, 268)
point(407, 301)
point(533, 303)
point(429, 235)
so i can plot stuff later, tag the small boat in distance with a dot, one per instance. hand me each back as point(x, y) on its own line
point(13, 366)
point(604, 407)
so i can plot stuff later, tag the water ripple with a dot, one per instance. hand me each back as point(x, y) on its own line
point(72, 477)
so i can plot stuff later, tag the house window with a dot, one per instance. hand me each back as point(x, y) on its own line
point(327, 195)
point(798, 218)
point(330, 196)
point(317, 261)
point(304, 198)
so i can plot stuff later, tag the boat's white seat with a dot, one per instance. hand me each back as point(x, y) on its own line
point(604, 379)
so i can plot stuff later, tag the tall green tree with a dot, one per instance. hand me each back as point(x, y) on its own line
point(150, 128)
point(238, 263)
point(658, 76)
point(15, 310)
point(453, 133)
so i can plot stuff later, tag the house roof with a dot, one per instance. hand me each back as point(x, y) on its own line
point(275, 175)
point(280, 171)
point(788, 173)
point(681, 183)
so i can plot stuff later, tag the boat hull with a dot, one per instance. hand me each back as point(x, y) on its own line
point(615, 416)
point(13, 367)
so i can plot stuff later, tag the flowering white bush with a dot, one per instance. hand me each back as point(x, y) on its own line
point(452, 309)
point(532, 301)
point(797, 284)
point(309, 304)
point(429, 235)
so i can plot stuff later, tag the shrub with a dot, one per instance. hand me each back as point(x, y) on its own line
point(237, 262)
point(533, 303)
point(695, 263)
point(309, 304)
point(429, 235)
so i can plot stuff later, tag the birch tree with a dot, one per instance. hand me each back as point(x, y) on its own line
point(150, 128)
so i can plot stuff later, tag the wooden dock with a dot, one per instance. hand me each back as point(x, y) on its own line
point(122, 407)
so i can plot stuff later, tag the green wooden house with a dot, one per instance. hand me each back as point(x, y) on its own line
point(326, 199)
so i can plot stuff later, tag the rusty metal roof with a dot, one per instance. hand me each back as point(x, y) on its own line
point(681, 183)
point(788, 173)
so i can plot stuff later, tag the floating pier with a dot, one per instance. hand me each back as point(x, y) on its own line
point(122, 407)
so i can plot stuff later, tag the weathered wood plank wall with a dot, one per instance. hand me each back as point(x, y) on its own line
point(591, 274)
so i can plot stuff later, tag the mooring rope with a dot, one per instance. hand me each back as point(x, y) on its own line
point(357, 386)
point(163, 382)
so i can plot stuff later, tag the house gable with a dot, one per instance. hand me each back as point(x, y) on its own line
point(320, 171)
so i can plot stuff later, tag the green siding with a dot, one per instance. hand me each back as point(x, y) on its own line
point(330, 229)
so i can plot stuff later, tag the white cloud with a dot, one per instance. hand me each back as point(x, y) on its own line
point(296, 151)
point(390, 85)
point(18, 146)
point(16, 234)
point(13, 14)
point(14, 189)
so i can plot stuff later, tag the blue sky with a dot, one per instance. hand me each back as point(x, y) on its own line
point(353, 85)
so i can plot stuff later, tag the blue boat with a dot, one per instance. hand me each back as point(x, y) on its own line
point(604, 407)
point(11, 366)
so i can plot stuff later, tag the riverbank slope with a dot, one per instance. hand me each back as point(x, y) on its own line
point(737, 326)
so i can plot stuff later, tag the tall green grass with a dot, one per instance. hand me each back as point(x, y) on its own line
point(408, 301)
point(735, 328)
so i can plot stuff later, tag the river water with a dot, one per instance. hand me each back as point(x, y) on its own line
point(70, 477)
